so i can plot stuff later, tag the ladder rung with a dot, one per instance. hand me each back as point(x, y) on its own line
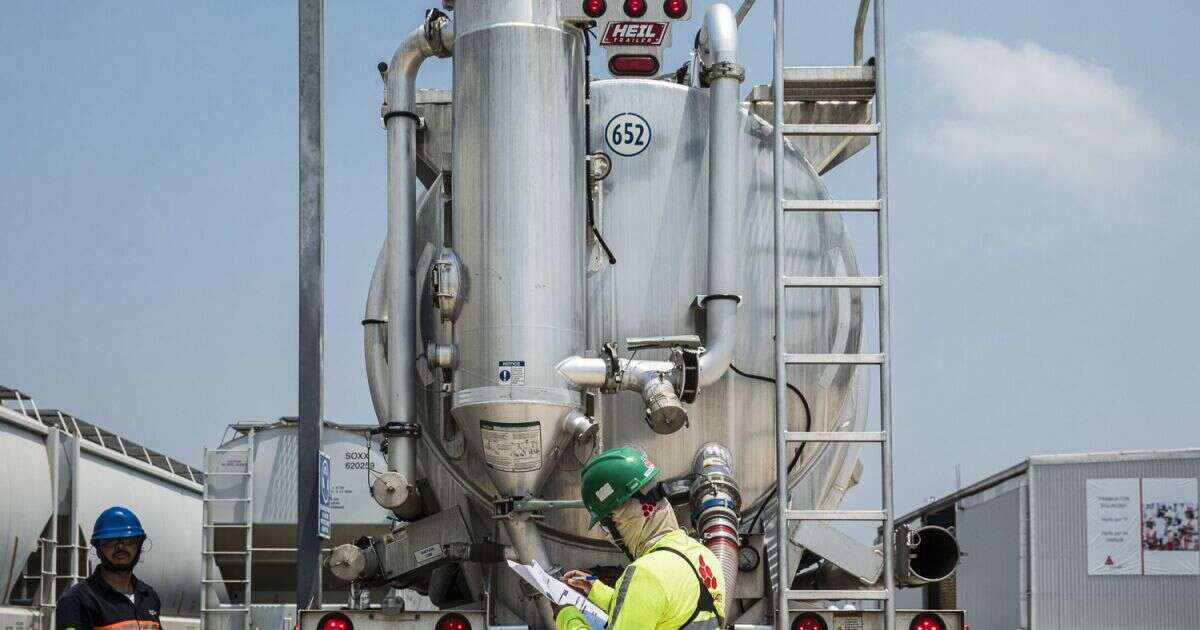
point(835, 436)
point(228, 500)
point(832, 282)
point(227, 474)
point(831, 130)
point(833, 359)
point(223, 581)
point(227, 525)
point(831, 205)
point(225, 553)
point(836, 515)
point(821, 594)
point(225, 610)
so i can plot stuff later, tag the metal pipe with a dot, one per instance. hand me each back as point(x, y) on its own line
point(782, 578)
point(860, 25)
point(400, 119)
point(885, 333)
point(718, 43)
point(525, 538)
point(433, 38)
point(310, 382)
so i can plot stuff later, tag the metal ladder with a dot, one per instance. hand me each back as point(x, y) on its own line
point(210, 574)
point(818, 84)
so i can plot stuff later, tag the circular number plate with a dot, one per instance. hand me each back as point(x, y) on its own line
point(627, 134)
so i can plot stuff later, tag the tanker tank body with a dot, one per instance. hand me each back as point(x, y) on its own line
point(534, 350)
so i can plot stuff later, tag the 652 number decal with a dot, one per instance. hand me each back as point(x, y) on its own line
point(627, 134)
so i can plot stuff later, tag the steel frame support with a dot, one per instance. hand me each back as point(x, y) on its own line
point(312, 299)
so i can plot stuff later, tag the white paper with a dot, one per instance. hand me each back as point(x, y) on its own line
point(560, 593)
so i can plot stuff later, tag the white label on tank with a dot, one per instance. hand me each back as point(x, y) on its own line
point(432, 552)
point(627, 134)
point(511, 373)
point(512, 447)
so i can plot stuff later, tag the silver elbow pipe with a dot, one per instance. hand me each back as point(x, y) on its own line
point(398, 406)
point(718, 47)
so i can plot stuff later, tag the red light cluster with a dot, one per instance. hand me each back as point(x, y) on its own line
point(453, 621)
point(633, 65)
point(594, 8)
point(927, 622)
point(635, 8)
point(336, 621)
point(675, 9)
point(809, 621)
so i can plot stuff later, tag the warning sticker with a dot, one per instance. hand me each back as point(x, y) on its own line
point(511, 373)
point(847, 621)
point(515, 447)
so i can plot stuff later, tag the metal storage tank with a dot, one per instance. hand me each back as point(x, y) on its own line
point(51, 454)
point(1025, 538)
point(250, 516)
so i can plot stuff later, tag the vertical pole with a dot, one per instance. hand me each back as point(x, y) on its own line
point(312, 300)
point(783, 581)
point(885, 344)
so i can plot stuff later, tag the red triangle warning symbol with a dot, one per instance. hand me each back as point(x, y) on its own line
point(1108, 561)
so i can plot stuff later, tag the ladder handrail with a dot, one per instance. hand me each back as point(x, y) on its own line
point(784, 512)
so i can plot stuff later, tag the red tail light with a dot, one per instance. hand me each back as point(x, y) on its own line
point(675, 9)
point(594, 8)
point(927, 621)
point(335, 621)
point(635, 8)
point(809, 621)
point(633, 65)
point(453, 621)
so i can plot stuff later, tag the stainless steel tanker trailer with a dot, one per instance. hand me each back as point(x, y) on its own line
point(593, 264)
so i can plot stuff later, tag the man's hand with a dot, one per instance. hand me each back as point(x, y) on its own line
point(579, 580)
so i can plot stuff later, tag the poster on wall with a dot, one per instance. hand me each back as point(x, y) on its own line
point(1143, 527)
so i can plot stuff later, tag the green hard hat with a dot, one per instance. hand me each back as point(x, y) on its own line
point(612, 477)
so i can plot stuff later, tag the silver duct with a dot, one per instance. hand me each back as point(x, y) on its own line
point(433, 38)
point(716, 501)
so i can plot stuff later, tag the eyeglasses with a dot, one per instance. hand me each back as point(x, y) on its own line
point(113, 543)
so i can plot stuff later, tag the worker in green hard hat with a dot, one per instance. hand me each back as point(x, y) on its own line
point(673, 583)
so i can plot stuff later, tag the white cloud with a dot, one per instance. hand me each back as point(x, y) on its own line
point(1036, 112)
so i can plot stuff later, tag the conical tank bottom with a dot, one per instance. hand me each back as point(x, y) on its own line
point(517, 431)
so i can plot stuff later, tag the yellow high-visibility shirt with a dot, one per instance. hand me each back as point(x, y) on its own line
point(657, 590)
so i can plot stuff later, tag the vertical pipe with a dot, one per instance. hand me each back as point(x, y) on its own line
point(885, 345)
point(312, 300)
point(1023, 554)
point(781, 488)
point(526, 539)
point(77, 571)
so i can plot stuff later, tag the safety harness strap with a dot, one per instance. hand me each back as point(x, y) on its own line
point(704, 602)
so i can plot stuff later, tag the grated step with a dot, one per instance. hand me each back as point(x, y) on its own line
point(821, 594)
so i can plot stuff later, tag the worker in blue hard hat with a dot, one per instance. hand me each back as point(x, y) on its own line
point(112, 598)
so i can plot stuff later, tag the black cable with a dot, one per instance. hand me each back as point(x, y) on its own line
point(587, 139)
point(799, 451)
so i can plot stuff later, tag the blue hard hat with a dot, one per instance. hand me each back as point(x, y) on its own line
point(117, 522)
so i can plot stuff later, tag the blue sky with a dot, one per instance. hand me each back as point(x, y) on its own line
point(1044, 216)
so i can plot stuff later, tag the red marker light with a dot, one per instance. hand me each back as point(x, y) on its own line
point(594, 8)
point(453, 621)
point(809, 621)
point(633, 65)
point(335, 621)
point(675, 9)
point(635, 8)
point(927, 621)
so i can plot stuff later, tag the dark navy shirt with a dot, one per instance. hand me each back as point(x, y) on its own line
point(94, 605)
